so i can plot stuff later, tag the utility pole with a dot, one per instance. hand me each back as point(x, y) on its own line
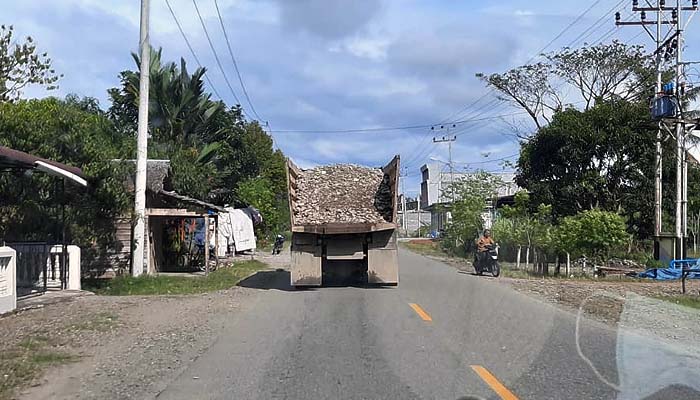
point(681, 165)
point(420, 198)
point(404, 214)
point(671, 41)
point(139, 236)
point(448, 139)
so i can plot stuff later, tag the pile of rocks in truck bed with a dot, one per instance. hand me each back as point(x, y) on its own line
point(343, 193)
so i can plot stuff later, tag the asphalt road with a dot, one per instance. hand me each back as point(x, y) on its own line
point(439, 335)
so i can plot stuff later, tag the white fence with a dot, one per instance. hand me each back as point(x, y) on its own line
point(40, 267)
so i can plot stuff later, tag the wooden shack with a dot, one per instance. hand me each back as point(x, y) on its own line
point(163, 206)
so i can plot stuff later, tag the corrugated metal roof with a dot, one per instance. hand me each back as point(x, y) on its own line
point(15, 159)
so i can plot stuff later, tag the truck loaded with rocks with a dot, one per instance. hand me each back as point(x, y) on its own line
point(343, 220)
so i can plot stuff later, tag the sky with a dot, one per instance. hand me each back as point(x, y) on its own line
point(324, 66)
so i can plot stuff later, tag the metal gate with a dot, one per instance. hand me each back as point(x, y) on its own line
point(40, 267)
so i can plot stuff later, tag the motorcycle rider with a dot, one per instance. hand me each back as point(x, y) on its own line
point(279, 242)
point(482, 245)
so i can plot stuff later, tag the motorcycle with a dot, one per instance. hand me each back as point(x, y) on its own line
point(488, 262)
point(277, 247)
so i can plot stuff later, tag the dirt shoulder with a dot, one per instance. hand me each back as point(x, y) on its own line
point(600, 298)
point(109, 347)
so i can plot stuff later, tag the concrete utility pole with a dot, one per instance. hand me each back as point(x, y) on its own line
point(420, 198)
point(139, 237)
point(671, 41)
point(449, 141)
point(404, 214)
point(681, 164)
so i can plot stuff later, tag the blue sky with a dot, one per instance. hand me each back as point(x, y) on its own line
point(333, 65)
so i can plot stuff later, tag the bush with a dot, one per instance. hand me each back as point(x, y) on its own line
point(594, 233)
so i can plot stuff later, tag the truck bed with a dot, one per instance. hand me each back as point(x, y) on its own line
point(293, 174)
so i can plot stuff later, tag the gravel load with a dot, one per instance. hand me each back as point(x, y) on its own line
point(343, 193)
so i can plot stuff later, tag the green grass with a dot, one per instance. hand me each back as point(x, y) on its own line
point(21, 364)
point(684, 300)
point(220, 279)
point(427, 249)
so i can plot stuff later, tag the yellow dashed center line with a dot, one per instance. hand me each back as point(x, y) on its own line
point(421, 313)
point(491, 380)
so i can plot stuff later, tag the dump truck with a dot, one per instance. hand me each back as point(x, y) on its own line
point(344, 224)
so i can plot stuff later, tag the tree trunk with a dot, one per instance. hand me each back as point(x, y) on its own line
point(558, 270)
point(535, 267)
point(527, 258)
point(517, 258)
point(568, 264)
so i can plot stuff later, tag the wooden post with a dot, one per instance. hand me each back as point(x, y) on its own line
point(216, 240)
point(206, 244)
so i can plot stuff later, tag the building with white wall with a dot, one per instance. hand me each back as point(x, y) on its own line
point(436, 178)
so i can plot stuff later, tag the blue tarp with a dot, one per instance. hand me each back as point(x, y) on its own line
point(674, 270)
point(666, 274)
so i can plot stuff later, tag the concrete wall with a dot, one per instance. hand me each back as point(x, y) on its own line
point(412, 221)
point(73, 260)
point(8, 280)
point(33, 258)
point(436, 177)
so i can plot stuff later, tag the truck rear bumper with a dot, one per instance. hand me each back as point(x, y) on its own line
point(342, 256)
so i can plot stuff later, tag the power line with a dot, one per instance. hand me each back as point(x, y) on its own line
point(235, 64)
point(599, 23)
point(583, 14)
point(424, 149)
point(393, 128)
point(566, 29)
point(216, 56)
point(189, 46)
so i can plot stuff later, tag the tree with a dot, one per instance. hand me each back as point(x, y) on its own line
point(215, 153)
point(182, 121)
point(528, 87)
point(472, 194)
point(594, 233)
point(598, 73)
point(605, 71)
point(258, 193)
point(62, 131)
point(181, 112)
point(22, 65)
point(599, 158)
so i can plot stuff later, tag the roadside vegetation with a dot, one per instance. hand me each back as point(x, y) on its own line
point(20, 364)
point(23, 361)
point(684, 300)
point(222, 278)
point(216, 153)
point(424, 246)
point(587, 167)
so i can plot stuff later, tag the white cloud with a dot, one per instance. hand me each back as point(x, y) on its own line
point(370, 48)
